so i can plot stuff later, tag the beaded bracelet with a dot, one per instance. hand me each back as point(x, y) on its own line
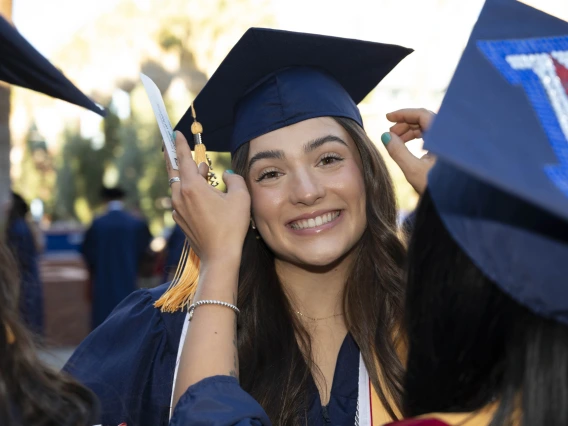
point(211, 302)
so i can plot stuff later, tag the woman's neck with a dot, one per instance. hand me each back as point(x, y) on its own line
point(315, 292)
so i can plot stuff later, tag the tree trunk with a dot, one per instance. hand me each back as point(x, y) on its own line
point(5, 145)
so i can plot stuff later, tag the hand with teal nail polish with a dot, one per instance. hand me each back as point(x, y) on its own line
point(218, 237)
point(409, 124)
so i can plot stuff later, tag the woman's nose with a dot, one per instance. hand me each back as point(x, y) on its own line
point(306, 188)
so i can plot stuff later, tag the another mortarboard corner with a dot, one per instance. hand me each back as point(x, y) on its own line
point(501, 136)
point(22, 65)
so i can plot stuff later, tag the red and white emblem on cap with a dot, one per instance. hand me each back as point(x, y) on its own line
point(540, 66)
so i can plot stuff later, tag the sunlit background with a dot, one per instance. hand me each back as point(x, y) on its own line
point(61, 154)
point(103, 45)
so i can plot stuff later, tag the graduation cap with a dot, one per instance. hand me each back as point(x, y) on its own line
point(110, 194)
point(24, 66)
point(501, 182)
point(273, 78)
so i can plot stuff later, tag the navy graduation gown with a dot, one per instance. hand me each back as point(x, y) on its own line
point(21, 242)
point(220, 401)
point(129, 362)
point(113, 248)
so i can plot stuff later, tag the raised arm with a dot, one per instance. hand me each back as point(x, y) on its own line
point(216, 224)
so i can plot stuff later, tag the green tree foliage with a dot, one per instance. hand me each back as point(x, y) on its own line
point(70, 178)
point(196, 34)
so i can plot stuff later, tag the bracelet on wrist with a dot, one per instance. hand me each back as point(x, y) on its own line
point(210, 302)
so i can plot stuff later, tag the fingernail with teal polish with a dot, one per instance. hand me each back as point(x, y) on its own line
point(230, 171)
point(386, 138)
point(174, 135)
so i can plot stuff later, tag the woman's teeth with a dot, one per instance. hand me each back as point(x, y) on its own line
point(314, 222)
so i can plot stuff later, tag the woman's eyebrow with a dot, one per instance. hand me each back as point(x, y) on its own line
point(275, 154)
point(308, 147)
point(316, 143)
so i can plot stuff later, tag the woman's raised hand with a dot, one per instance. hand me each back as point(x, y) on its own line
point(409, 124)
point(215, 222)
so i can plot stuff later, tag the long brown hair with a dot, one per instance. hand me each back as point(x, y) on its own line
point(273, 367)
point(31, 393)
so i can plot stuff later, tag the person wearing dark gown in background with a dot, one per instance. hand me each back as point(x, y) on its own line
point(21, 241)
point(113, 248)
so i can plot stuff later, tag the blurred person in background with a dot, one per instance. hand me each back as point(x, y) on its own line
point(114, 248)
point(31, 393)
point(25, 247)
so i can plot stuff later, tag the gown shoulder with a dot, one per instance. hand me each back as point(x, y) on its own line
point(129, 360)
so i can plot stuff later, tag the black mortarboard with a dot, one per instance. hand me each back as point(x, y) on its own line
point(272, 79)
point(115, 193)
point(501, 182)
point(22, 65)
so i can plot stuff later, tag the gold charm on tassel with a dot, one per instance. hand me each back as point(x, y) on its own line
point(179, 294)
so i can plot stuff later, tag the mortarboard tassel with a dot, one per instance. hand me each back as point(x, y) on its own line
point(183, 286)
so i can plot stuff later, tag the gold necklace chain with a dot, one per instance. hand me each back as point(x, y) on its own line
point(317, 319)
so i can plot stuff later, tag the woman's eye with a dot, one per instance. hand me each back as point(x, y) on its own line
point(329, 160)
point(268, 175)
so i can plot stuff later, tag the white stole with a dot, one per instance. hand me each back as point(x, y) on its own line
point(364, 416)
point(178, 358)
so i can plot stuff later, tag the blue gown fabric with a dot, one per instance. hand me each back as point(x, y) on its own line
point(113, 248)
point(218, 401)
point(21, 242)
point(129, 362)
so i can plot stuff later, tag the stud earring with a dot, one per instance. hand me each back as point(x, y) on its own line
point(253, 226)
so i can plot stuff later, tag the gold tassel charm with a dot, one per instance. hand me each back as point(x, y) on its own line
point(179, 294)
point(200, 155)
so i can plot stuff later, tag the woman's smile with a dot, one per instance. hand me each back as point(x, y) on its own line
point(314, 223)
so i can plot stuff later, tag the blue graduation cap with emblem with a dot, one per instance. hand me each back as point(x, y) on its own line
point(501, 136)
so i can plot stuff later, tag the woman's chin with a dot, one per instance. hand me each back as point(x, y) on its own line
point(324, 260)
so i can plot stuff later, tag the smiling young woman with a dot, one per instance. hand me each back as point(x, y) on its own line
point(303, 246)
point(318, 167)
